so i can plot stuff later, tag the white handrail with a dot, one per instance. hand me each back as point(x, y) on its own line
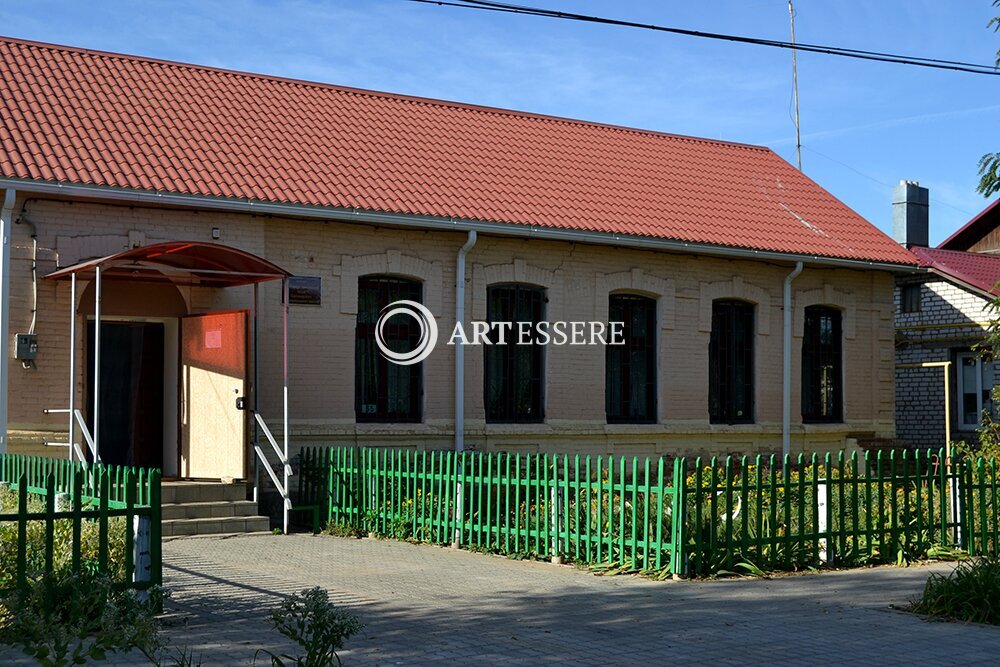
point(274, 477)
point(274, 443)
point(282, 487)
point(83, 429)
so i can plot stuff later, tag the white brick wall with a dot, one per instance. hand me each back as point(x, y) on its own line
point(951, 319)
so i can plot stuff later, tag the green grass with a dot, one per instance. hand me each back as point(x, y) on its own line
point(970, 593)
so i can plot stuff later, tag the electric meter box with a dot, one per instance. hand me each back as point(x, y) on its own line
point(26, 346)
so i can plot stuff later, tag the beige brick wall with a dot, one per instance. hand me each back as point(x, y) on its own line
point(578, 279)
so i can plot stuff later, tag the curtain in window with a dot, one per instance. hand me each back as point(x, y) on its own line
point(514, 378)
point(630, 378)
point(385, 391)
point(822, 373)
point(731, 363)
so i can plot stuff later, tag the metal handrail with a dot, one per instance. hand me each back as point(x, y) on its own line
point(91, 444)
point(281, 487)
point(274, 443)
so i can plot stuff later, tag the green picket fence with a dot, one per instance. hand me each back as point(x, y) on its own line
point(109, 522)
point(602, 510)
point(694, 517)
point(814, 510)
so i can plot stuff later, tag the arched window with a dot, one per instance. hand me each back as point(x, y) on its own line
point(514, 377)
point(822, 370)
point(630, 377)
point(731, 363)
point(385, 391)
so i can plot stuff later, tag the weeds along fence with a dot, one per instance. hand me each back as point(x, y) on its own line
point(694, 517)
point(71, 517)
point(764, 514)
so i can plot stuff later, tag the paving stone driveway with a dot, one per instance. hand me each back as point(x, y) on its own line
point(425, 605)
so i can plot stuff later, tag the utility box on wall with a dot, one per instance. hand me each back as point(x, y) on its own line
point(26, 346)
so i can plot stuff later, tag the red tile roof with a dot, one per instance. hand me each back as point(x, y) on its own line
point(972, 268)
point(87, 117)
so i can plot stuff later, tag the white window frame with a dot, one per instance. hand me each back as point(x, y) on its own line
point(961, 390)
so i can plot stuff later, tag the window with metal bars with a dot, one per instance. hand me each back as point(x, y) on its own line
point(384, 391)
point(822, 371)
point(731, 363)
point(514, 377)
point(630, 377)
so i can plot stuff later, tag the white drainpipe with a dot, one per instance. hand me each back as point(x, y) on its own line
point(5, 230)
point(786, 383)
point(460, 349)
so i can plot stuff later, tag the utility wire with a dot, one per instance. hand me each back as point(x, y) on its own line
point(917, 61)
point(889, 186)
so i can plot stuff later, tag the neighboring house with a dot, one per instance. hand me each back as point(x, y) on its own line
point(374, 197)
point(941, 314)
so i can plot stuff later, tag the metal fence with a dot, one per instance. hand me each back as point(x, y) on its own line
point(693, 517)
point(63, 507)
point(589, 510)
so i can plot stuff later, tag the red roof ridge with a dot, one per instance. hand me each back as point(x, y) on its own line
point(979, 270)
point(378, 93)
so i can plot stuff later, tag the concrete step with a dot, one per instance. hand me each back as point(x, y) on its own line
point(210, 509)
point(201, 492)
point(216, 525)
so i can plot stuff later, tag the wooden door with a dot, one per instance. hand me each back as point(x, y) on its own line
point(213, 378)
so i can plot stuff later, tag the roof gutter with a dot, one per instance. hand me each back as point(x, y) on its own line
point(436, 223)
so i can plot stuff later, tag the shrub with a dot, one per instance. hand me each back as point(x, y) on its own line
point(62, 543)
point(970, 593)
point(74, 619)
point(315, 624)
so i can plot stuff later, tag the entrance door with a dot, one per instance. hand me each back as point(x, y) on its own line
point(131, 392)
point(213, 377)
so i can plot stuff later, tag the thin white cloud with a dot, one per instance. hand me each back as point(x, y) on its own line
point(882, 124)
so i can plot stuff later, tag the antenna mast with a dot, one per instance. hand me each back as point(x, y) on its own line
point(795, 87)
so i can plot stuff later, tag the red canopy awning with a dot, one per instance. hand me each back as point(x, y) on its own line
point(179, 262)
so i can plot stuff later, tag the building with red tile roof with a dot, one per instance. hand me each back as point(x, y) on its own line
point(942, 314)
point(111, 121)
point(725, 261)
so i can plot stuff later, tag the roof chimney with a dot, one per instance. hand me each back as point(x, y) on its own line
point(909, 214)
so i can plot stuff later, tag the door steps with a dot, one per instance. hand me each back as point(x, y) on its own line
point(209, 508)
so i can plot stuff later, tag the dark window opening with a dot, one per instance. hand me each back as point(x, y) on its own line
point(514, 377)
point(731, 363)
point(630, 379)
point(386, 391)
point(822, 373)
point(910, 298)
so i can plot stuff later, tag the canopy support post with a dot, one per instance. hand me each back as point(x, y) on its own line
point(284, 421)
point(256, 396)
point(97, 362)
point(72, 362)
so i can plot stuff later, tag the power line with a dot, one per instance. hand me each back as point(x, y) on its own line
point(889, 186)
point(916, 61)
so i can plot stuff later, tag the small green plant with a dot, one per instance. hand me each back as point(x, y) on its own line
point(74, 619)
point(315, 623)
point(969, 593)
point(181, 657)
point(276, 531)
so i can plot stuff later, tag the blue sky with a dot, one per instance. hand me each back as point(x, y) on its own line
point(865, 125)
